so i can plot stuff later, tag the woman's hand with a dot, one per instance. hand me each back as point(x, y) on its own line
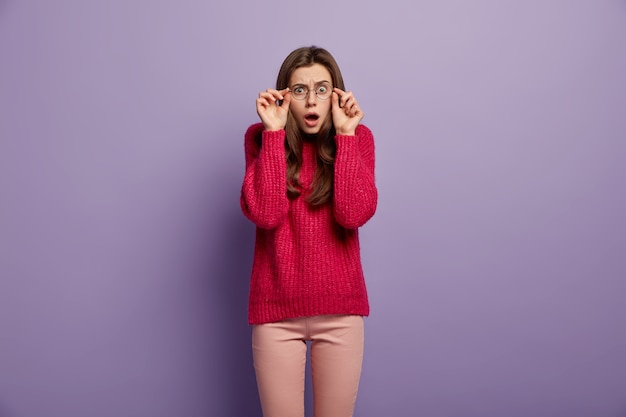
point(273, 116)
point(346, 112)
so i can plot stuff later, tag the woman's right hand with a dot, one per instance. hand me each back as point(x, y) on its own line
point(273, 116)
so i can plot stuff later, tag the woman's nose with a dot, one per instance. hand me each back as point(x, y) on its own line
point(311, 97)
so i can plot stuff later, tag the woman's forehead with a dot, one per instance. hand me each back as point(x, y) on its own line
point(313, 74)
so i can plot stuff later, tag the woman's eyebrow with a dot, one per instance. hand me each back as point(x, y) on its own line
point(317, 83)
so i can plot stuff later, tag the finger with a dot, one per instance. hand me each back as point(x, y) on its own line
point(340, 93)
point(279, 94)
point(346, 98)
point(335, 99)
point(348, 94)
point(283, 94)
point(351, 104)
point(265, 96)
point(353, 109)
point(273, 98)
point(286, 100)
point(348, 103)
point(262, 101)
point(271, 95)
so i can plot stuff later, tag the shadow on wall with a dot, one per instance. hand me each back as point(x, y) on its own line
point(233, 243)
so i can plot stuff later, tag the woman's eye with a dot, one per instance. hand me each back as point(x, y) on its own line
point(322, 89)
point(298, 90)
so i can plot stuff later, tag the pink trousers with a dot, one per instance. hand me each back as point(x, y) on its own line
point(279, 351)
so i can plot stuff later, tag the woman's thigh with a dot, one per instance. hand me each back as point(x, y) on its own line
point(279, 352)
point(336, 362)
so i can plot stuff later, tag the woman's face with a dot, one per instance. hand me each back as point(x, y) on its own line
point(310, 111)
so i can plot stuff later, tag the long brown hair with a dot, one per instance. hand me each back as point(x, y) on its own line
point(322, 186)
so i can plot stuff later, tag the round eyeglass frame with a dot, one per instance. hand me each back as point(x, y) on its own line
point(307, 91)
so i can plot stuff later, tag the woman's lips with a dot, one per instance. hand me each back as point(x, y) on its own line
point(311, 119)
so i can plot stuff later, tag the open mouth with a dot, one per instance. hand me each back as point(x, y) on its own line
point(311, 119)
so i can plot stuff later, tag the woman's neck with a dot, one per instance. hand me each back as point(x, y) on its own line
point(310, 138)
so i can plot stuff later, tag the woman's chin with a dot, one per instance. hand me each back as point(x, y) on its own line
point(310, 130)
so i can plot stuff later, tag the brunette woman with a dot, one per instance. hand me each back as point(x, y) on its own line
point(308, 186)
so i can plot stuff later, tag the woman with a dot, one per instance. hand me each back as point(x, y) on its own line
point(308, 187)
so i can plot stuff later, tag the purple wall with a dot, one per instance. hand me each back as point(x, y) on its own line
point(496, 261)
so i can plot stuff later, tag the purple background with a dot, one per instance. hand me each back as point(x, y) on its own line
point(495, 263)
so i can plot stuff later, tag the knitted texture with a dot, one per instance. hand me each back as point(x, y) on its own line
point(307, 259)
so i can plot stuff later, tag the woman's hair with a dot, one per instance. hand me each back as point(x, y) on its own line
point(322, 187)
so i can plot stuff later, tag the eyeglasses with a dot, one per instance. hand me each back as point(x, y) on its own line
point(322, 91)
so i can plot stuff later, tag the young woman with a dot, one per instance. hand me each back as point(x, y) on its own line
point(308, 187)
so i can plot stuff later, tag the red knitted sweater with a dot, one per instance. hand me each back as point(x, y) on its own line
point(307, 259)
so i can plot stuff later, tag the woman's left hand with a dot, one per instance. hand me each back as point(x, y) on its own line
point(347, 116)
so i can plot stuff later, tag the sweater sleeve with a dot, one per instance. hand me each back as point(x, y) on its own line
point(264, 191)
point(355, 190)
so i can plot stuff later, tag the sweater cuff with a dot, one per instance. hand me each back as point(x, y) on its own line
point(272, 142)
point(273, 135)
point(346, 143)
point(344, 137)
